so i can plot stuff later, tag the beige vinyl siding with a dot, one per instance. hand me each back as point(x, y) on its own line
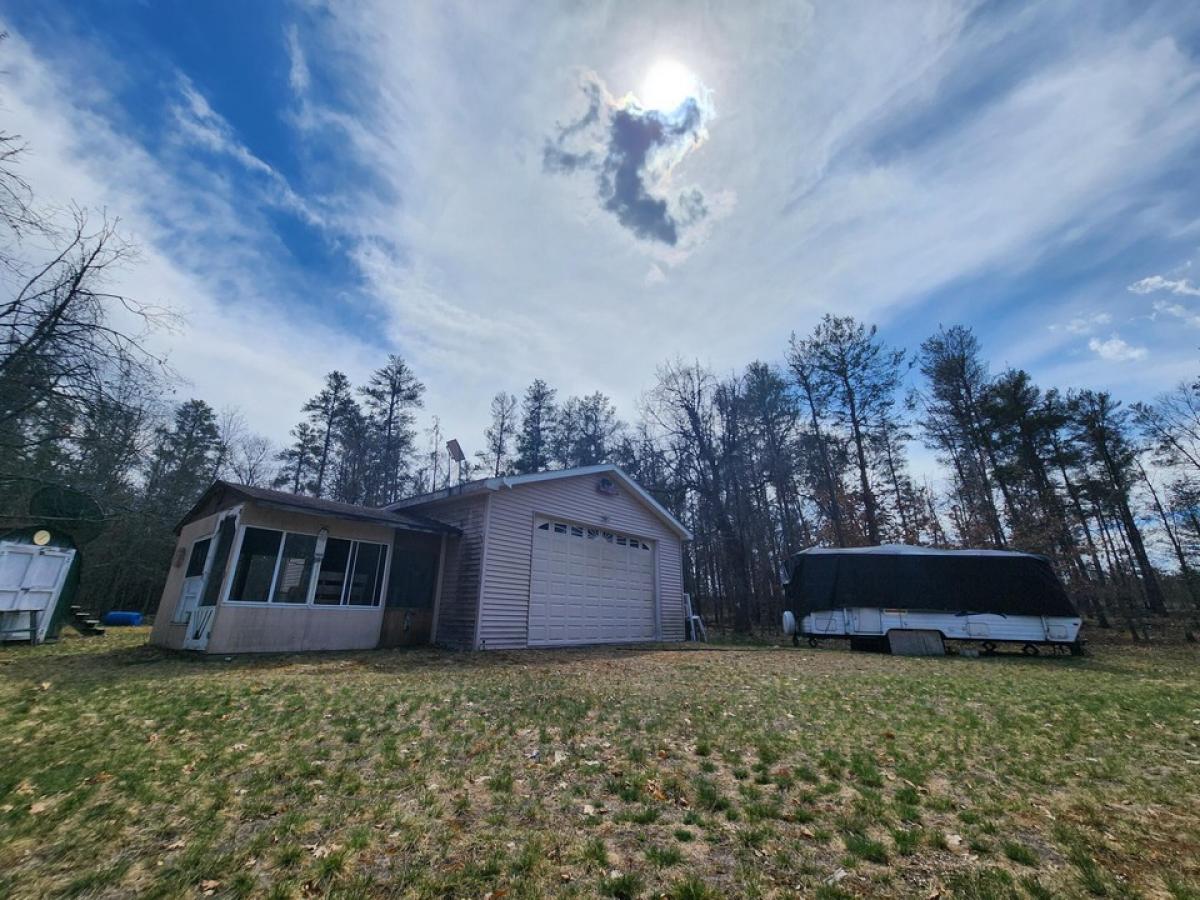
point(460, 568)
point(505, 599)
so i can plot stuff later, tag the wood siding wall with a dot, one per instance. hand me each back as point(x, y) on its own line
point(505, 611)
point(461, 568)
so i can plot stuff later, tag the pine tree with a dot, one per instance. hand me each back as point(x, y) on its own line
point(184, 459)
point(859, 375)
point(585, 431)
point(952, 418)
point(1101, 427)
point(498, 437)
point(535, 439)
point(391, 396)
point(326, 413)
point(298, 461)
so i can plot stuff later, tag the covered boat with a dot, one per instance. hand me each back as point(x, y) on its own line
point(869, 594)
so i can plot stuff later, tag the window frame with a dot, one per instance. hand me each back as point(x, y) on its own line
point(380, 588)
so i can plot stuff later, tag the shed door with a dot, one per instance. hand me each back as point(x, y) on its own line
point(590, 585)
point(31, 578)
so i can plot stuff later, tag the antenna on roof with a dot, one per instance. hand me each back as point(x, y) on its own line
point(456, 454)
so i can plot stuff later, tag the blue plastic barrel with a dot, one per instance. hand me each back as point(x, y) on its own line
point(118, 618)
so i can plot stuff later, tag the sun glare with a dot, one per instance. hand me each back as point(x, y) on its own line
point(667, 85)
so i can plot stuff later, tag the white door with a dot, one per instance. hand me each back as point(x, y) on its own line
point(589, 586)
point(193, 580)
point(208, 590)
point(31, 578)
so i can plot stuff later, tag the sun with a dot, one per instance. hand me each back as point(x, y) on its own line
point(667, 85)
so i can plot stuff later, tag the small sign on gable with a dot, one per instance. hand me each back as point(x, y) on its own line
point(606, 486)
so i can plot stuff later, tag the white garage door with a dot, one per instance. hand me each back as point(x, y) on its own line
point(589, 585)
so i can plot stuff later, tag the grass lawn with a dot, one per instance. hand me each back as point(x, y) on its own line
point(727, 772)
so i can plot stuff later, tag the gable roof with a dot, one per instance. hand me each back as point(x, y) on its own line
point(513, 481)
point(316, 505)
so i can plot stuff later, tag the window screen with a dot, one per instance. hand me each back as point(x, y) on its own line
point(199, 557)
point(216, 572)
point(413, 578)
point(255, 566)
point(332, 576)
point(368, 574)
point(295, 568)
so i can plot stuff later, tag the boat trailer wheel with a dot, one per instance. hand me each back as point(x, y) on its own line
point(988, 647)
point(1030, 650)
point(813, 642)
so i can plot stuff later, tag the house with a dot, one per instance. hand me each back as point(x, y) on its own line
point(577, 556)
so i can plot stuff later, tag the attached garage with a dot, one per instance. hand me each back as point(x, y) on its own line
point(578, 556)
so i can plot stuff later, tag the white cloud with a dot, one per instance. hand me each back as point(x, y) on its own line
point(1085, 324)
point(299, 76)
point(1157, 283)
point(1178, 311)
point(1115, 349)
point(201, 253)
point(198, 122)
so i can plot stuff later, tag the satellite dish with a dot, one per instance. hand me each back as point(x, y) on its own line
point(455, 450)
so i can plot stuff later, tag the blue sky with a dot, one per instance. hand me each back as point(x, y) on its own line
point(313, 187)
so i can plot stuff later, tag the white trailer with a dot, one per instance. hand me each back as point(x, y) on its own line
point(871, 594)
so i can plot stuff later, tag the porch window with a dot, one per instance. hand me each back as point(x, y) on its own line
point(332, 577)
point(199, 557)
point(351, 573)
point(278, 566)
point(295, 568)
point(256, 566)
point(363, 589)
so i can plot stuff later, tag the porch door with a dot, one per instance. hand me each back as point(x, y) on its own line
point(193, 580)
point(200, 623)
point(412, 581)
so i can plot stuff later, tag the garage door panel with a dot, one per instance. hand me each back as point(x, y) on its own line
point(589, 585)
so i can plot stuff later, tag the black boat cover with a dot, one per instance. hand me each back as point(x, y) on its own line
point(919, 578)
